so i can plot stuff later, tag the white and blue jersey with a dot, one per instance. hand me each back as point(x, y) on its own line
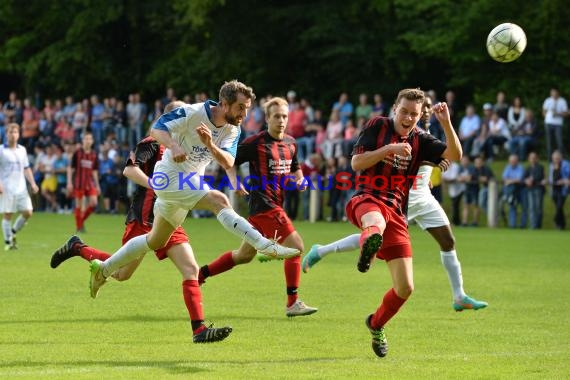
point(181, 123)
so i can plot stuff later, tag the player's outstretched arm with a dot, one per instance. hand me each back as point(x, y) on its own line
point(453, 151)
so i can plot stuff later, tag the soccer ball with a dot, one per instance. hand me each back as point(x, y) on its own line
point(506, 42)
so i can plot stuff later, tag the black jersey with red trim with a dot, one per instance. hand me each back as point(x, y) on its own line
point(147, 153)
point(84, 164)
point(271, 162)
point(390, 180)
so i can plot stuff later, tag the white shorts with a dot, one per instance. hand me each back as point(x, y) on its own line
point(11, 203)
point(174, 202)
point(427, 213)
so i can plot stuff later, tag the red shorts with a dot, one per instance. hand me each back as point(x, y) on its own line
point(396, 243)
point(271, 222)
point(136, 229)
point(85, 193)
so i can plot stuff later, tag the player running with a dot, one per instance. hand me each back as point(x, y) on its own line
point(193, 136)
point(272, 158)
point(139, 220)
point(430, 216)
point(14, 196)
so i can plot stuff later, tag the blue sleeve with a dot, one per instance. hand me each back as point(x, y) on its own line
point(169, 120)
point(233, 148)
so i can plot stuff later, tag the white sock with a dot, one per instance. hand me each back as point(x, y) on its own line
point(346, 244)
point(132, 250)
point(242, 228)
point(453, 268)
point(19, 223)
point(7, 230)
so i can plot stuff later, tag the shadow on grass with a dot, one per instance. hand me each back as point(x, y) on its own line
point(174, 367)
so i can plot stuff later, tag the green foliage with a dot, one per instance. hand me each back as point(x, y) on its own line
point(318, 48)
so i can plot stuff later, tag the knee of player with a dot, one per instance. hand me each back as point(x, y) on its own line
point(447, 243)
point(27, 214)
point(404, 290)
point(218, 201)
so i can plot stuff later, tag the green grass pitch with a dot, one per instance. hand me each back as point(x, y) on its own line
point(50, 327)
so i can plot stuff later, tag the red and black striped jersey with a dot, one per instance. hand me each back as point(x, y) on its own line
point(271, 161)
point(390, 180)
point(84, 164)
point(147, 152)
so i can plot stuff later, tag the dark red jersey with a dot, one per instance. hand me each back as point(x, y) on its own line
point(271, 161)
point(145, 156)
point(84, 164)
point(392, 178)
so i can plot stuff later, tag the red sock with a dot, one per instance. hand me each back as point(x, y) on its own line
point(88, 212)
point(389, 307)
point(223, 263)
point(193, 300)
point(78, 218)
point(292, 268)
point(367, 232)
point(90, 253)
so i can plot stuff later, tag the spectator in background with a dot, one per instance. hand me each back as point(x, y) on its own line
point(10, 109)
point(253, 122)
point(2, 125)
point(513, 176)
point(97, 117)
point(455, 190)
point(344, 108)
point(169, 96)
point(501, 107)
point(309, 110)
point(48, 186)
point(524, 136)
point(452, 106)
point(69, 109)
point(379, 108)
point(498, 135)
point(30, 125)
point(364, 109)
point(559, 179)
point(296, 128)
point(469, 176)
point(311, 169)
point(484, 175)
point(332, 144)
point(120, 122)
point(60, 170)
point(80, 122)
point(554, 109)
point(469, 129)
point(534, 180)
point(435, 182)
point(156, 111)
point(516, 115)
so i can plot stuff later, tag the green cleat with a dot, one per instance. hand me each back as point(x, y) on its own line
point(469, 303)
point(311, 258)
point(379, 341)
point(97, 279)
point(264, 258)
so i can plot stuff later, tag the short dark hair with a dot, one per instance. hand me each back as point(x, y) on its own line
point(231, 89)
point(413, 94)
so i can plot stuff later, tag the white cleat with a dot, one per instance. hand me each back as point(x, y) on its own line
point(97, 279)
point(299, 309)
point(277, 251)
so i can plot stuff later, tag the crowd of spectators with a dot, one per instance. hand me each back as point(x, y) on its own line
point(51, 130)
